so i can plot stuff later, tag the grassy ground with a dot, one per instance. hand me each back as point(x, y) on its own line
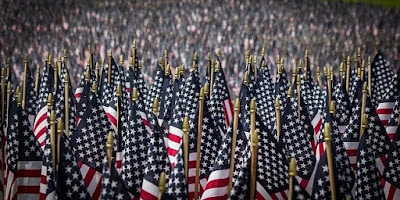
point(384, 3)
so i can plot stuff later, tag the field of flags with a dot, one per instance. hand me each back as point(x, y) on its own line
point(321, 134)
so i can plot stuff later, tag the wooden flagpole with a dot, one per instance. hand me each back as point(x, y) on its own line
point(363, 105)
point(3, 94)
point(9, 89)
point(234, 136)
point(278, 118)
point(254, 147)
point(348, 74)
point(24, 81)
point(298, 83)
point(37, 78)
point(199, 133)
point(306, 65)
point(59, 134)
point(161, 185)
point(329, 83)
point(109, 146)
point(109, 66)
point(341, 72)
point(327, 139)
point(212, 76)
point(53, 139)
point(185, 129)
point(292, 174)
point(66, 103)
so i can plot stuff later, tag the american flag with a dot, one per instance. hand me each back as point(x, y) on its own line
point(381, 76)
point(41, 123)
point(30, 99)
point(296, 136)
point(218, 180)
point(281, 88)
point(342, 104)
point(393, 123)
point(157, 162)
point(89, 142)
point(186, 105)
point(165, 97)
point(220, 100)
point(391, 174)
point(368, 184)
point(12, 150)
point(113, 187)
point(177, 185)
point(70, 184)
point(134, 153)
point(81, 96)
point(155, 89)
point(385, 107)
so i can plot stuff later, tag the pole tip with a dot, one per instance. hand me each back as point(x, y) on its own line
point(253, 105)
point(277, 105)
point(121, 59)
point(110, 139)
point(332, 107)
point(134, 44)
point(327, 132)
point(237, 104)
point(246, 78)
point(94, 87)
point(263, 52)
point(167, 70)
point(185, 125)
point(3, 72)
point(49, 99)
point(155, 105)
point(206, 89)
point(364, 87)
point(219, 53)
point(119, 90)
point(290, 92)
point(202, 93)
point(60, 126)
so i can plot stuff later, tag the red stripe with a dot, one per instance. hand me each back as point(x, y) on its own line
point(273, 196)
point(217, 183)
point(284, 195)
point(78, 95)
point(259, 196)
point(391, 136)
point(171, 152)
point(174, 138)
point(97, 192)
point(383, 159)
point(351, 152)
point(145, 195)
point(89, 176)
point(192, 164)
point(218, 198)
point(29, 173)
point(314, 147)
point(112, 119)
point(303, 183)
point(225, 113)
point(384, 111)
point(392, 190)
point(385, 122)
point(145, 122)
point(41, 132)
point(40, 120)
point(28, 189)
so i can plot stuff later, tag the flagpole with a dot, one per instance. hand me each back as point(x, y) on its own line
point(292, 174)
point(185, 129)
point(134, 52)
point(161, 185)
point(254, 147)
point(37, 78)
point(329, 82)
point(24, 83)
point(318, 74)
point(55, 76)
point(212, 76)
point(294, 74)
point(9, 89)
point(59, 134)
point(3, 94)
point(208, 65)
point(278, 118)
point(348, 74)
point(109, 66)
point(199, 133)
point(298, 96)
point(263, 61)
point(53, 139)
point(66, 103)
point(369, 76)
point(8, 67)
point(109, 146)
point(119, 94)
point(59, 65)
point(255, 67)
point(341, 72)
point(165, 59)
point(363, 105)
point(155, 107)
point(234, 136)
point(327, 139)
point(306, 65)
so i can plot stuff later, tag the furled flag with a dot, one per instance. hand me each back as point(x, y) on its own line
point(156, 162)
point(113, 187)
point(391, 174)
point(393, 123)
point(281, 88)
point(177, 185)
point(155, 89)
point(343, 110)
point(70, 183)
point(387, 103)
point(381, 76)
point(89, 142)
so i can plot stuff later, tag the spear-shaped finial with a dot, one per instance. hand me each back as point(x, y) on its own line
point(135, 94)
point(155, 106)
point(121, 60)
point(332, 108)
point(94, 87)
point(167, 70)
point(219, 54)
point(217, 66)
point(246, 78)
point(119, 90)
point(263, 52)
point(292, 174)
point(109, 146)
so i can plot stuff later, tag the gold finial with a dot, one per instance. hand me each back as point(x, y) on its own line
point(206, 89)
point(306, 53)
point(255, 60)
point(165, 54)
point(217, 66)
point(327, 132)
point(131, 62)
point(26, 58)
point(263, 52)
point(182, 69)
point(109, 146)
point(47, 57)
point(332, 108)
point(290, 92)
point(102, 62)
point(201, 94)
point(185, 125)
point(87, 74)
point(294, 72)
point(359, 52)
point(9, 87)
point(49, 100)
point(219, 54)
point(155, 106)
point(121, 60)
point(298, 79)
point(292, 167)
point(161, 185)
point(59, 58)
point(277, 105)
point(195, 55)
point(280, 69)
point(348, 60)
point(134, 44)
point(237, 104)
point(119, 90)
point(17, 95)
point(278, 60)
point(135, 94)
point(246, 78)
point(247, 54)
point(359, 73)
point(208, 56)
point(252, 105)
point(65, 55)
point(176, 74)
point(364, 90)
point(250, 59)
point(140, 65)
point(300, 64)
point(94, 87)
point(194, 65)
point(167, 70)
point(341, 69)
point(66, 78)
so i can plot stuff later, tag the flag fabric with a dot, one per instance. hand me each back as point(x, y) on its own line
point(164, 98)
point(70, 183)
point(12, 150)
point(385, 107)
point(177, 186)
point(48, 182)
point(134, 153)
point(281, 88)
point(368, 184)
point(342, 105)
point(220, 100)
point(113, 187)
point(391, 174)
point(155, 89)
point(89, 141)
point(156, 162)
point(393, 122)
point(30, 100)
point(381, 76)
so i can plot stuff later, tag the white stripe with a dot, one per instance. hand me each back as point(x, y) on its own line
point(78, 90)
point(51, 195)
point(84, 170)
point(228, 110)
point(39, 114)
point(380, 165)
point(31, 165)
point(351, 145)
point(316, 119)
point(391, 129)
point(342, 128)
point(11, 188)
point(386, 189)
point(96, 180)
point(28, 181)
point(309, 186)
point(385, 105)
point(260, 189)
point(384, 116)
point(150, 188)
point(353, 160)
point(215, 192)
point(219, 174)
point(203, 183)
point(174, 145)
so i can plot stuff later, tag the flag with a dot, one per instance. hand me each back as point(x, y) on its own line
point(134, 153)
point(48, 182)
point(177, 186)
point(381, 76)
point(113, 186)
point(281, 88)
point(368, 184)
point(70, 183)
point(30, 99)
point(12, 150)
point(387, 102)
point(220, 100)
point(155, 89)
point(342, 104)
point(156, 162)
point(89, 142)
point(393, 123)
point(391, 174)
